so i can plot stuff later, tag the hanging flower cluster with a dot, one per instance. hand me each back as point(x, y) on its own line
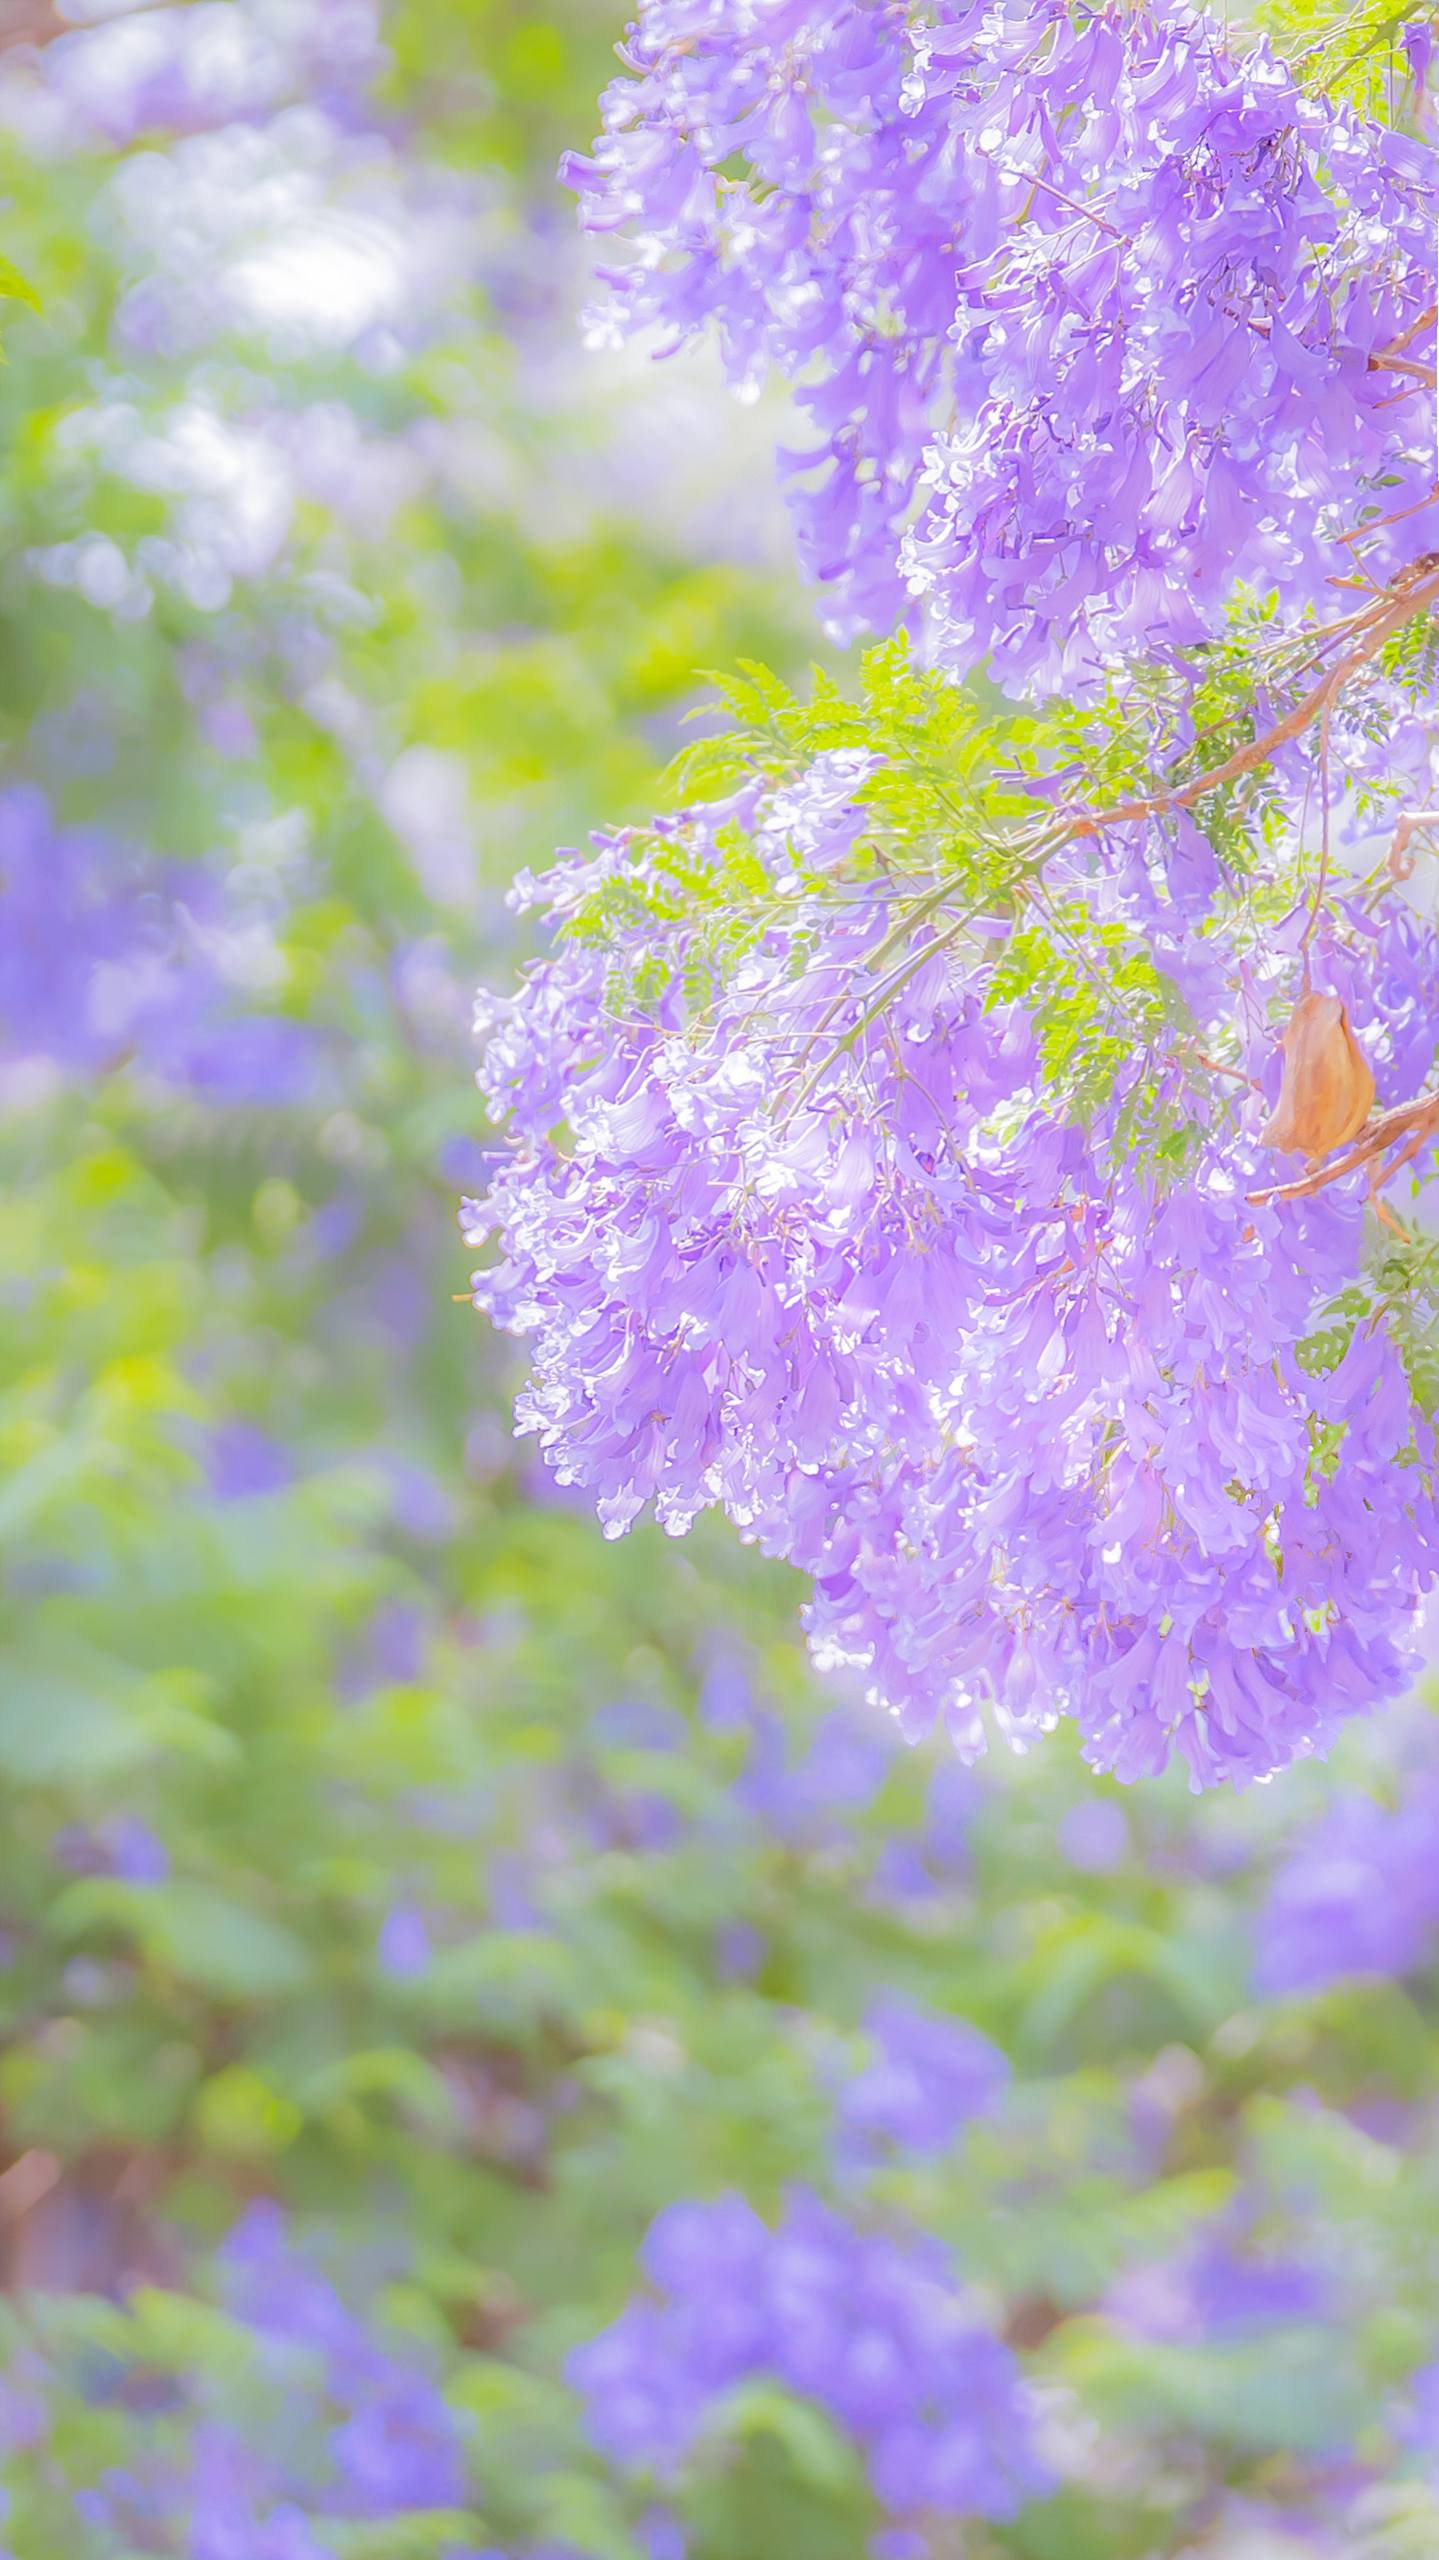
point(951, 1213)
point(871, 2329)
point(1049, 1422)
point(1087, 317)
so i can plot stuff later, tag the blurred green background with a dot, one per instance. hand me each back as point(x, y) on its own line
point(377, 1842)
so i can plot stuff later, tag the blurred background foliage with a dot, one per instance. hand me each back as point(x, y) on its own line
point(405, 1896)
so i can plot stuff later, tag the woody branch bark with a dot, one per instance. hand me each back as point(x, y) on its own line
point(1417, 592)
point(29, 22)
point(1408, 1126)
point(1413, 592)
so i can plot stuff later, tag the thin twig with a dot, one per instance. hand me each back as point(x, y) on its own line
point(1404, 364)
point(1217, 1067)
point(1414, 591)
point(1031, 177)
point(1426, 320)
point(1322, 882)
point(898, 978)
point(1407, 393)
point(1377, 524)
point(1377, 626)
point(1411, 1121)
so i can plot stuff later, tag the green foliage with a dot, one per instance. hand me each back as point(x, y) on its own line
point(1350, 49)
point(978, 824)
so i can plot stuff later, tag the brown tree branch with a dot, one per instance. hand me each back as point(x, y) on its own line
point(29, 22)
point(1411, 1122)
point(1404, 364)
point(1417, 591)
point(1408, 1125)
point(1426, 320)
point(1376, 524)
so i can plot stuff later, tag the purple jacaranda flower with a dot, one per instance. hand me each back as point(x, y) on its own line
point(1357, 1894)
point(391, 1652)
point(930, 2077)
point(903, 1874)
point(106, 962)
point(935, 1860)
point(421, 1503)
point(141, 72)
point(1419, 2419)
point(403, 1946)
point(1094, 1836)
point(870, 2328)
point(1418, 40)
point(727, 1698)
point(396, 2446)
point(1074, 374)
point(1214, 2291)
point(229, 1057)
point(344, 2428)
point(1041, 1428)
point(74, 911)
point(137, 1855)
point(638, 1724)
point(334, 1227)
point(26, 2415)
point(275, 2289)
point(121, 1846)
point(513, 1903)
point(739, 1951)
point(244, 1462)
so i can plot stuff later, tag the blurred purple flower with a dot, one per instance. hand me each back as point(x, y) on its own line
point(1357, 1894)
point(119, 1846)
point(244, 1462)
point(931, 2076)
point(1418, 2425)
point(868, 2327)
point(396, 2446)
point(421, 1503)
point(1213, 2292)
point(403, 1946)
point(103, 961)
point(1094, 1836)
point(1418, 40)
point(390, 1653)
point(739, 1951)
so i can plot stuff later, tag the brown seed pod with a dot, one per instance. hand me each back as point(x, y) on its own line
point(1327, 1091)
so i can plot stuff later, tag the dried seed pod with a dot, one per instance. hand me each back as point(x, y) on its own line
point(1327, 1091)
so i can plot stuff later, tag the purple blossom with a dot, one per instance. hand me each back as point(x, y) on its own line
point(1094, 1836)
point(338, 2429)
point(1418, 41)
point(1214, 2292)
point(930, 2077)
point(78, 934)
point(107, 961)
point(244, 1463)
point(1046, 1431)
point(868, 2327)
point(739, 1951)
point(1419, 2425)
point(1358, 1893)
point(403, 1947)
point(391, 1652)
point(1096, 348)
point(395, 2446)
point(143, 71)
point(121, 1846)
